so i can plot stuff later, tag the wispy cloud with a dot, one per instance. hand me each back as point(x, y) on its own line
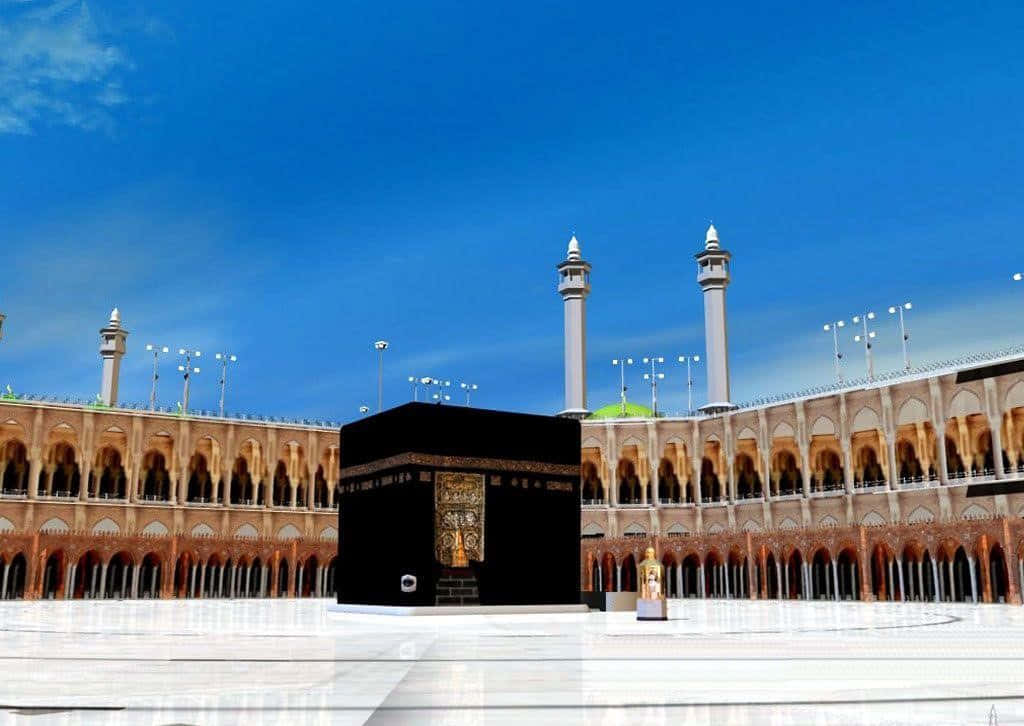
point(55, 68)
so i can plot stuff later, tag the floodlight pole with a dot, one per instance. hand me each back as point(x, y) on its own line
point(689, 380)
point(187, 369)
point(622, 363)
point(837, 356)
point(654, 376)
point(224, 359)
point(380, 346)
point(904, 336)
point(867, 336)
point(156, 350)
point(468, 388)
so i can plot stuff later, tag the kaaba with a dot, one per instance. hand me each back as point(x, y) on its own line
point(423, 483)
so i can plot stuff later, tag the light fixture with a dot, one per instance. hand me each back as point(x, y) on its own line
point(224, 359)
point(468, 388)
point(622, 363)
point(837, 356)
point(654, 376)
point(904, 334)
point(156, 350)
point(380, 346)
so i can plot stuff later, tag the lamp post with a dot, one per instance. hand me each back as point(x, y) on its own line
point(224, 359)
point(415, 387)
point(187, 369)
point(904, 335)
point(866, 338)
point(654, 377)
point(2, 319)
point(622, 363)
point(380, 346)
point(837, 356)
point(441, 396)
point(156, 350)
point(468, 388)
point(688, 359)
point(364, 410)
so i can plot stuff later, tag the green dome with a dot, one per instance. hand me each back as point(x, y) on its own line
point(614, 410)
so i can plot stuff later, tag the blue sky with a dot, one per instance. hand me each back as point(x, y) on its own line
point(291, 183)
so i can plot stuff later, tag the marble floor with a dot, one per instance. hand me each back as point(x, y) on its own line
point(292, 662)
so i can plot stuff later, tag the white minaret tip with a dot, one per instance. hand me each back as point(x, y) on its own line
point(574, 248)
point(115, 316)
point(711, 240)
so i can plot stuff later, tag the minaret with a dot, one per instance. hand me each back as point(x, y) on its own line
point(574, 286)
point(713, 276)
point(112, 348)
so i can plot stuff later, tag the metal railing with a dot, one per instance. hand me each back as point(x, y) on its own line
point(84, 403)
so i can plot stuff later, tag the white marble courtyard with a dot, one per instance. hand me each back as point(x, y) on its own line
point(721, 662)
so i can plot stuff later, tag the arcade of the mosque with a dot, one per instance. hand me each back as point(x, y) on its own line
point(909, 488)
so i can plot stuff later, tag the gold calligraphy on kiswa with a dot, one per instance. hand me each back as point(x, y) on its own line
point(458, 507)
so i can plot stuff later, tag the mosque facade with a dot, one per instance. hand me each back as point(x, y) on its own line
point(906, 487)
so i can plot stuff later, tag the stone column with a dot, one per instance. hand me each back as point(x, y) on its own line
point(69, 581)
point(3, 584)
point(986, 572)
point(785, 581)
point(35, 466)
point(920, 581)
point(135, 582)
point(202, 579)
point(103, 581)
point(899, 572)
point(835, 581)
point(974, 582)
point(703, 583)
point(935, 582)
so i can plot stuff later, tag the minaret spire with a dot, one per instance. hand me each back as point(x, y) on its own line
point(112, 347)
point(713, 277)
point(574, 287)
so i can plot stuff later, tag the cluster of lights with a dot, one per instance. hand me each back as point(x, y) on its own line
point(866, 336)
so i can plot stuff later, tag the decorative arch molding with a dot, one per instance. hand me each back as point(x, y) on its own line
point(715, 528)
point(921, 514)
point(676, 529)
point(593, 529)
point(865, 420)
point(6, 525)
point(828, 521)
point(789, 523)
point(329, 534)
point(289, 532)
point(54, 525)
point(823, 426)
point(746, 433)
point(632, 441)
point(964, 403)
point(751, 526)
point(156, 528)
point(912, 411)
point(782, 430)
point(247, 531)
point(1015, 396)
point(975, 511)
point(592, 442)
point(873, 519)
point(203, 530)
point(106, 526)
